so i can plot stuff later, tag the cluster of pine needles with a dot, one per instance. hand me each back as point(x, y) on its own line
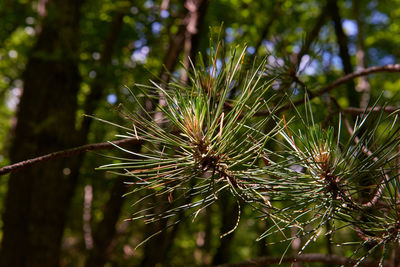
point(222, 131)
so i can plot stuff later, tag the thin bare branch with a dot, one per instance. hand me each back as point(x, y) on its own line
point(275, 14)
point(66, 153)
point(333, 85)
point(351, 76)
point(342, 80)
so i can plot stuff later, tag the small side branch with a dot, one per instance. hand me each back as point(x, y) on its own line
point(333, 85)
point(329, 87)
point(345, 79)
point(351, 76)
point(66, 153)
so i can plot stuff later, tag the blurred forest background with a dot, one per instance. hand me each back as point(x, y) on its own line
point(60, 59)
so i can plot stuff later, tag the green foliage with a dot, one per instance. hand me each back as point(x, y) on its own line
point(206, 137)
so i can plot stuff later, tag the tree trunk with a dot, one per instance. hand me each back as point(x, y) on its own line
point(194, 26)
point(38, 197)
point(353, 96)
point(106, 230)
point(229, 213)
point(312, 35)
point(103, 72)
point(11, 21)
point(363, 85)
point(276, 13)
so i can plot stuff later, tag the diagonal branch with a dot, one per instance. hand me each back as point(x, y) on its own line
point(345, 79)
point(381, 185)
point(275, 14)
point(333, 85)
point(66, 153)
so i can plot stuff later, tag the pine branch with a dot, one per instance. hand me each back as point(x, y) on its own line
point(65, 154)
point(312, 257)
point(106, 145)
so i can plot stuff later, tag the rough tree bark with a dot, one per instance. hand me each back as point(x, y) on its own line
point(36, 203)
